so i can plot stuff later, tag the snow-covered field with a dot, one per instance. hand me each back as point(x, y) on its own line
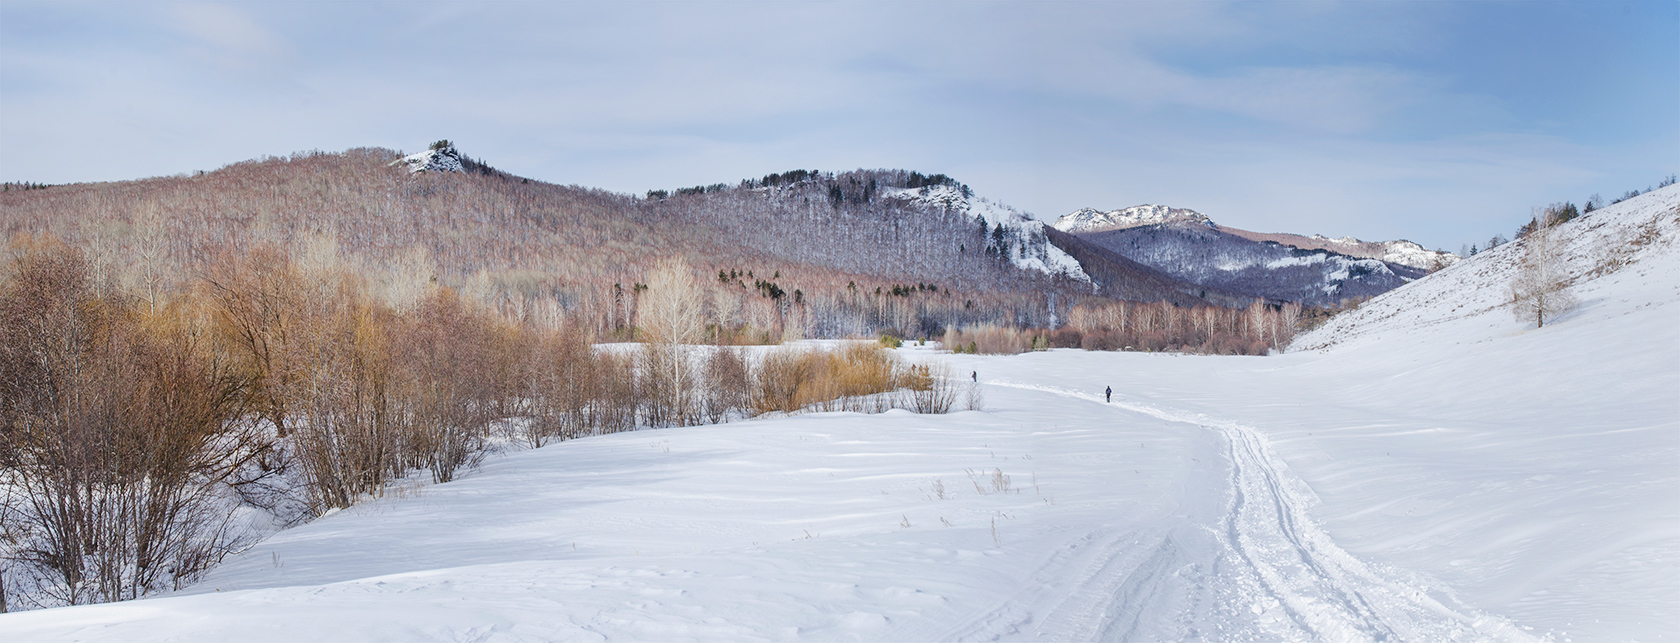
point(1426, 468)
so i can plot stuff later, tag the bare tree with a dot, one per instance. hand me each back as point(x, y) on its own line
point(1540, 289)
point(673, 320)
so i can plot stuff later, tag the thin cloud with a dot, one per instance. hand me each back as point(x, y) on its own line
point(227, 29)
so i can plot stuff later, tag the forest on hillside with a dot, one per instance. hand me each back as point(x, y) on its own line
point(803, 254)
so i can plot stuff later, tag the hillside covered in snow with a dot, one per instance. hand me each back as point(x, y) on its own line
point(1187, 246)
point(1009, 233)
point(1425, 468)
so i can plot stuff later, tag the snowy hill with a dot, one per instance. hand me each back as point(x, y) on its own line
point(1013, 233)
point(1401, 252)
point(1094, 220)
point(1639, 233)
point(1214, 258)
point(1187, 246)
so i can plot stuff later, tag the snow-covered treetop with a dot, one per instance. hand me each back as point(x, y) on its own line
point(1094, 220)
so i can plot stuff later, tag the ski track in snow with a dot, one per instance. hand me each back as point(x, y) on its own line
point(1268, 556)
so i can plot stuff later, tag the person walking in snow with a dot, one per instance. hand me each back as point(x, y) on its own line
point(1108, 394)
point(975, 375)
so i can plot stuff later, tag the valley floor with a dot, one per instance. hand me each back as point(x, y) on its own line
point(1453, 475)
point(1049, 515)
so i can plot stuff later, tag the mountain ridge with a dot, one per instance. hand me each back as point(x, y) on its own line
point(1400, 251)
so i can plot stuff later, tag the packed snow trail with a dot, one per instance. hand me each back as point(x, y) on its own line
point(1275, 559)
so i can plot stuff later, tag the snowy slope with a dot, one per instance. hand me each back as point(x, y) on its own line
point(1094, 220)
point(1213, 257)
point(1402, 252)
point(1024, 240)
point(1187, 246)
point(1426, 468)
point(1638, 233)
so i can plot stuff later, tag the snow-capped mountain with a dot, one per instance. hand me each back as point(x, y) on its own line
point(440, 158)
point(1094, 220)
point(1405, 253)
point(1402, 252)
point(1010, 232)
point(1188, 246)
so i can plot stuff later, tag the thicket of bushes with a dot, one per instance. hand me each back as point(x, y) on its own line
point(133, 424)
point(1161, 326)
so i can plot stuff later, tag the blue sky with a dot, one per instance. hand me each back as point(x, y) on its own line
point(1440, 122)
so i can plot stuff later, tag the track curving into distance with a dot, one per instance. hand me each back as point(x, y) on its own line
point(1252, 566)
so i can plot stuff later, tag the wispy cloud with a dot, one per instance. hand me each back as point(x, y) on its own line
point(229, 31)
point(1343, 118)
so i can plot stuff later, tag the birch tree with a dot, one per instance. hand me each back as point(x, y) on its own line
point(1540, 289)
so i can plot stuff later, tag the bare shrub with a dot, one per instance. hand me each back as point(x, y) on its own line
point(259, 299)
point(931, 389)
point(559, 378)
point(613, 401)
point(728, 386)
point(861, 373)
point(991, 339)
point(115, 430)
point(785, 378)
point(447, 391)
point(856, 377)
point(973, 398)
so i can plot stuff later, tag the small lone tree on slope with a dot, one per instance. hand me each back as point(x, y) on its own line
point(1540, 289)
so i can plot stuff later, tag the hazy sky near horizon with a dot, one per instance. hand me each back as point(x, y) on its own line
point(1441, 122)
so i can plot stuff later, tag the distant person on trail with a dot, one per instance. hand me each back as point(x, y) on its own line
point(975, 375)
point(1108, 394)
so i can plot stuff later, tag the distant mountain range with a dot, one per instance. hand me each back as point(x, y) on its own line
point(1187, 246)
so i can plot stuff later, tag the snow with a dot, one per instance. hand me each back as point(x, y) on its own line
point(1407, 253)
point(1027, 245)
point(446, 159)
point(1093, 220)
point(1424, 468)
point(1403, 252)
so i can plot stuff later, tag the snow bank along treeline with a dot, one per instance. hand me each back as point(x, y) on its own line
point(145, 433)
